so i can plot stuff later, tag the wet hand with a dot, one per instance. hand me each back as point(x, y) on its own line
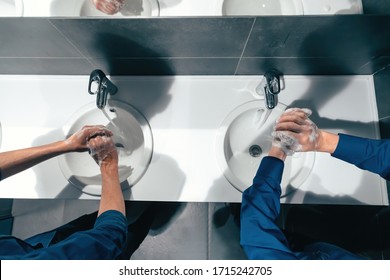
point(295, 132)
point(103, 151)
point(109, 7)
point(79, 140)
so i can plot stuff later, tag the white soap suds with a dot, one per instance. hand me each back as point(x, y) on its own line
point(286, 142)
point(99, 153)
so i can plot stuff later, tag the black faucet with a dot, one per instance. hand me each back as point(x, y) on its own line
point(104, 88)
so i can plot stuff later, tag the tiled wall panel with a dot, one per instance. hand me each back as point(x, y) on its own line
point(337, 45)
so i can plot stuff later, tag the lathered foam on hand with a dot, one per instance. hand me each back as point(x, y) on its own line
point(296, 135)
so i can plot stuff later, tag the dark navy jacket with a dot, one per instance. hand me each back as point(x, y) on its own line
point(104, 241)
point(261, 238)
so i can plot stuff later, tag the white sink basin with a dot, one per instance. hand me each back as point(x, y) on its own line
point(11, 8)
point(244, 138)
point(331, 7)
point(85, 8)
point(259, 7)
point(132, 136)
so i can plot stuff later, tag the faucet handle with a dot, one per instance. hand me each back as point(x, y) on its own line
point(97, 76)
point(273, 81)
point(104, 87)
point(274, 85)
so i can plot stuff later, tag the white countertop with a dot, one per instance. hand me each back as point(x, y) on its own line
point(185, 113)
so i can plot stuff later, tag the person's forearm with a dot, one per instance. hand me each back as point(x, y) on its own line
point(13, 162)
point(277, 153)
point(327, 142)
point(112, 196)
point(367, 154)
point(261, 237)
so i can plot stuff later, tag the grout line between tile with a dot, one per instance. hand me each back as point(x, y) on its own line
point(73, 45)
point(380, 70)
point(243, 49)
point(381, 119)
point(365, 64)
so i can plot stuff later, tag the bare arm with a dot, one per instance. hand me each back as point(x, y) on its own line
point(105, 154)
point(112, 196)
point(13, 162)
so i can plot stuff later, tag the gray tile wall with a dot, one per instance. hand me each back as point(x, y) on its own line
point(378, 7)
point(326, 45)
point(6, 219)
point(382, 91)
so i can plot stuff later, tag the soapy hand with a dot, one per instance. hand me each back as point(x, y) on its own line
point(79, 140)
point(109, 7)
point(295, 132)
point(103, 150)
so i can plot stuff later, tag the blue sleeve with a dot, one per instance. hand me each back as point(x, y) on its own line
point(368, 154)
point(261, 238)
point(104, 242)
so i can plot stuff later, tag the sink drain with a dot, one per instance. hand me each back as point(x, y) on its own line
point(255, 151)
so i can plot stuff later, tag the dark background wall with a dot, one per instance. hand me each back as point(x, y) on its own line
point(382, 90)
point(309, 45)
point(378, 7)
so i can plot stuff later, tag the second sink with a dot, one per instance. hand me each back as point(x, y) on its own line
point(260, 7)
point(244, 138)
point(11, 8)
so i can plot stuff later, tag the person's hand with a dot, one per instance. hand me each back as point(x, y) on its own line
point(109, 7)
point(103, 151)
point(295, 132)
point(79, 140)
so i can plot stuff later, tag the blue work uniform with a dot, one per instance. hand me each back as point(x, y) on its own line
point(104, 241)
point(261, 238)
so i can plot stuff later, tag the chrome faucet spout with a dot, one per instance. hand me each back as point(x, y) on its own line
point(271, 99)
point(271, 88)
point(104, 87)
